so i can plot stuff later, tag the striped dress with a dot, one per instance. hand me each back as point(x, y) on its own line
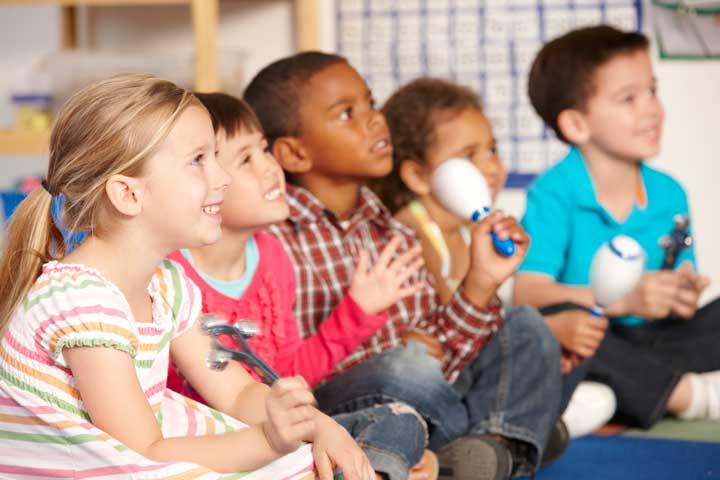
point(45, 430)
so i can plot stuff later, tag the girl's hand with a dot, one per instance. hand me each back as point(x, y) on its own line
point(290, 414)
point(578, 331)
point(378, 287)
point(488, 269)
point(334, 448)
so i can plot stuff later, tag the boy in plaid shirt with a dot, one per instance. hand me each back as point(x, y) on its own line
point(493, 397)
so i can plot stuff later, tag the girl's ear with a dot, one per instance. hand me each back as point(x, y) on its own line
point(415, 176)
point(291, 155)
point(125, 194)
point(573, 125)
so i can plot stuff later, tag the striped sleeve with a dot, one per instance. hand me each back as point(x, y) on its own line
point(77, 308)
point(180, 294)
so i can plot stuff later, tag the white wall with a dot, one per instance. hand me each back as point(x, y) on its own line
point(691, 151)
point(264, 30)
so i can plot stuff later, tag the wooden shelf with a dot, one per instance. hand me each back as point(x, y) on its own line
point(95, 3)
point(24, 143)
point(205, 20)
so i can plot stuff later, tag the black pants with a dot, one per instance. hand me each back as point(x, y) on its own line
point(643, 364)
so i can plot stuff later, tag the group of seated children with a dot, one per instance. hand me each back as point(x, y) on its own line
point(309, 211)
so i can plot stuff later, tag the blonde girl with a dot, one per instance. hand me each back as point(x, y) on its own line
point(87, 336)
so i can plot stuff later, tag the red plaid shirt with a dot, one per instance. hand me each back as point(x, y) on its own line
point(324, 252)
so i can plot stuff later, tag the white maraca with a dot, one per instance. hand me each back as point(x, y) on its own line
point(462, 190)
point(616, 268)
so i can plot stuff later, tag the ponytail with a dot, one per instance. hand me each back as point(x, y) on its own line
point(29, 243)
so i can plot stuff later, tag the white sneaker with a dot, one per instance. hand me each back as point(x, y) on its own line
point(712, 380)
point(592, 405)
point(705, 397)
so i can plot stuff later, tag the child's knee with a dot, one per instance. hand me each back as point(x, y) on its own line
point(403, 426)
point(413, 363)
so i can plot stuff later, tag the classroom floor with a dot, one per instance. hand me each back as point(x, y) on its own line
point(671, 450)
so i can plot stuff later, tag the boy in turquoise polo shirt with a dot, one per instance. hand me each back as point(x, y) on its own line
point(596, 89)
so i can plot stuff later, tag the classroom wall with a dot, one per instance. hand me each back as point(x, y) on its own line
point(263, 29)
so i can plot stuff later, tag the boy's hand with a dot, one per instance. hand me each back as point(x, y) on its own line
point(378, 287)
point(688, 294)
point(290, 414)
point(488, 269)
point(568, 362)
point(334, 448)
point(578, 331)
point(653, 297)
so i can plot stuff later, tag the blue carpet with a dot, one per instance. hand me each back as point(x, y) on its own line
point(635, 458)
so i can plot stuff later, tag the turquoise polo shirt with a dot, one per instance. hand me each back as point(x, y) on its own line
point(567, 224)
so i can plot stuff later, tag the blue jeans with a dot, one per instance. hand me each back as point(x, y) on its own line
point(392, 436)
point(512, 388)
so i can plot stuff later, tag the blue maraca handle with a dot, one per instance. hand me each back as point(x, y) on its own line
point(506, 247)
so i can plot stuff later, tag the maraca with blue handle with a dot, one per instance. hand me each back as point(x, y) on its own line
point(462, 190)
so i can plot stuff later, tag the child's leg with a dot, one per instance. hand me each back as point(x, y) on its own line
point(687, 345)
point(405, 374)
point(392, 435)
point(641, 379)
point(513, 387)
point(675, 350)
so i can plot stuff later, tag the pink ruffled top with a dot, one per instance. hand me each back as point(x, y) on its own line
point(268, 302)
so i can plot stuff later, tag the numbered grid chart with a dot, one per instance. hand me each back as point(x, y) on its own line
point(487, 45)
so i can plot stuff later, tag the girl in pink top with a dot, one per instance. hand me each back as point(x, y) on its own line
point(247, 275)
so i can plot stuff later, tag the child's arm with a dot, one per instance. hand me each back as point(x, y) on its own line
point(539, 290)
point(116, 403)
point(353, 320)
point(285, 412)
point(488, 270)
point(657, 295)
point(473, 315)
point(231, 390)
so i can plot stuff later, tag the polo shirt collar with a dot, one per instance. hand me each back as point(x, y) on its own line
point(584, 187)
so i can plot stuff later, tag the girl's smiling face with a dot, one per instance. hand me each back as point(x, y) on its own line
point(185, 184)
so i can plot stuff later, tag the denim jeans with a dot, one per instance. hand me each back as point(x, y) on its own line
point(643, 364)
point(512, 388)
point(391, 435)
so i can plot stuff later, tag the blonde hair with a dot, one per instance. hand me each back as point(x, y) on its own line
point(108, 128)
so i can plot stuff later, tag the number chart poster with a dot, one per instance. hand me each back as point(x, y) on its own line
point(487, 45)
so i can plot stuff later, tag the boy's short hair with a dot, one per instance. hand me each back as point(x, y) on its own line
point(561, 76)
point(275, 92)
point(229, 113)
point(412, 114)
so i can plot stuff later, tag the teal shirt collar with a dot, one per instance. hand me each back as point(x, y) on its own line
point(584, 186)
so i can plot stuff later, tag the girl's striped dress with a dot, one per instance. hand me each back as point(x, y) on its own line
point(45, 431)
